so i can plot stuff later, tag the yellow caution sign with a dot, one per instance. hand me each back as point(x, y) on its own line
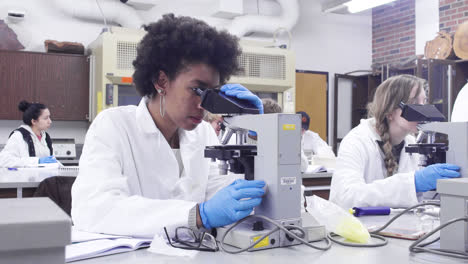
point(289, 127)
point(265, 242)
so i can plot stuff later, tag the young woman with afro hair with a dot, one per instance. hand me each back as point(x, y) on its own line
point(143, 167)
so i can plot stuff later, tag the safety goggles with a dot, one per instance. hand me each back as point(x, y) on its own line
point(186, 238)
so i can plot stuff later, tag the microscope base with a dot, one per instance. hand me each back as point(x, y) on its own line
point(453, 204)
point(242, 236)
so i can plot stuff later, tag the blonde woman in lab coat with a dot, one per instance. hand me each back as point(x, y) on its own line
point(29, 145)
point(143, 167)
point(372, 167)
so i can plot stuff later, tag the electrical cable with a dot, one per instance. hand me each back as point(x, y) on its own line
point(103, 16)
point(375, 234)
point(286, 229)
point(402, 213)
point(287, 31)
point(349, 244)
point(415, 248)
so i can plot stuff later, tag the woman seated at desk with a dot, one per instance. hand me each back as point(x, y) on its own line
point(372, 168)
point(30, 144)
point(143, 167)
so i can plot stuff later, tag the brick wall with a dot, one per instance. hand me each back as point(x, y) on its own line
point(452, 13)
point(393, 32)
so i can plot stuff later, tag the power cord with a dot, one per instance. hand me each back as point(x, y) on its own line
point(402, 213)
point(416, 248)
point(375, 234)
point(288, 230)
point(384, 242)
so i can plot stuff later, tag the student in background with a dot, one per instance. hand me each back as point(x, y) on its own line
point(216, 121)
point(271, 106)
point(30, 144)
point(143, 167)
point(372, 168)
point(311, 142)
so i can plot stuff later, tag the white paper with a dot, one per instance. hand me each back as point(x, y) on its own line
point(89, 245)
point(160, 246)
point(315, 168)
point(102, 247)
point(82, 236)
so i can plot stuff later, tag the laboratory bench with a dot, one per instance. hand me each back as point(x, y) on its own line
point(317, 183)
point(22, 182)
point(396, 251)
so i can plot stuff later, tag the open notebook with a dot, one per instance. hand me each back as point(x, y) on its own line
point(89, 245)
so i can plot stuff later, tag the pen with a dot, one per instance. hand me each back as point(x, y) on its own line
point(377, 210)
point(13, 169)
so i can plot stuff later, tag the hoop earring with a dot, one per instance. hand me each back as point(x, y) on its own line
point(162, 104)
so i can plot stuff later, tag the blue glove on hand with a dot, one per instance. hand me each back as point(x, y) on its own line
point(226, 206)
point(48, 159)
point(426, 179)
point(239, 91)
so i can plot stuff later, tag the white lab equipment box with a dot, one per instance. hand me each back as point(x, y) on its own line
point(33, 230)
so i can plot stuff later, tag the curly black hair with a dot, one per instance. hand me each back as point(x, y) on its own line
point(173, 43)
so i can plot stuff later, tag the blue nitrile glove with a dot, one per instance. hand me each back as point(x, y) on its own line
point(48, 159)
point(239, 91)
point(226, 206)
point(426, 179)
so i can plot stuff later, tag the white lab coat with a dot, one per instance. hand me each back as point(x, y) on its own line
point(360, 175)
point(16, 152)
point(460, 107)
point(312, 143)
point(129, 181)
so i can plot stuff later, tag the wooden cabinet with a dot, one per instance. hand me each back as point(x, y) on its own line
point(60, 81)
point(446, 78)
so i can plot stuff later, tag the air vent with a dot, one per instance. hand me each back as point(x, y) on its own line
point(262, 66)
point(126, 54)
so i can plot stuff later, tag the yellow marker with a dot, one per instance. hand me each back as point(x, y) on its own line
point(265, 242)
point(289, 127)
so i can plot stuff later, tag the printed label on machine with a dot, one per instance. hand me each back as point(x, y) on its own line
point(288, 180)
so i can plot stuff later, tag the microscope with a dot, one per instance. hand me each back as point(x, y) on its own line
point(453, 192)
point(275, 159)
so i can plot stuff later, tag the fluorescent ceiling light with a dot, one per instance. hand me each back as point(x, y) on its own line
point(355, 6)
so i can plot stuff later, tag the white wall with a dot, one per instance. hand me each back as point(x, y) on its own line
point(333, 43)
point(427, 22)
